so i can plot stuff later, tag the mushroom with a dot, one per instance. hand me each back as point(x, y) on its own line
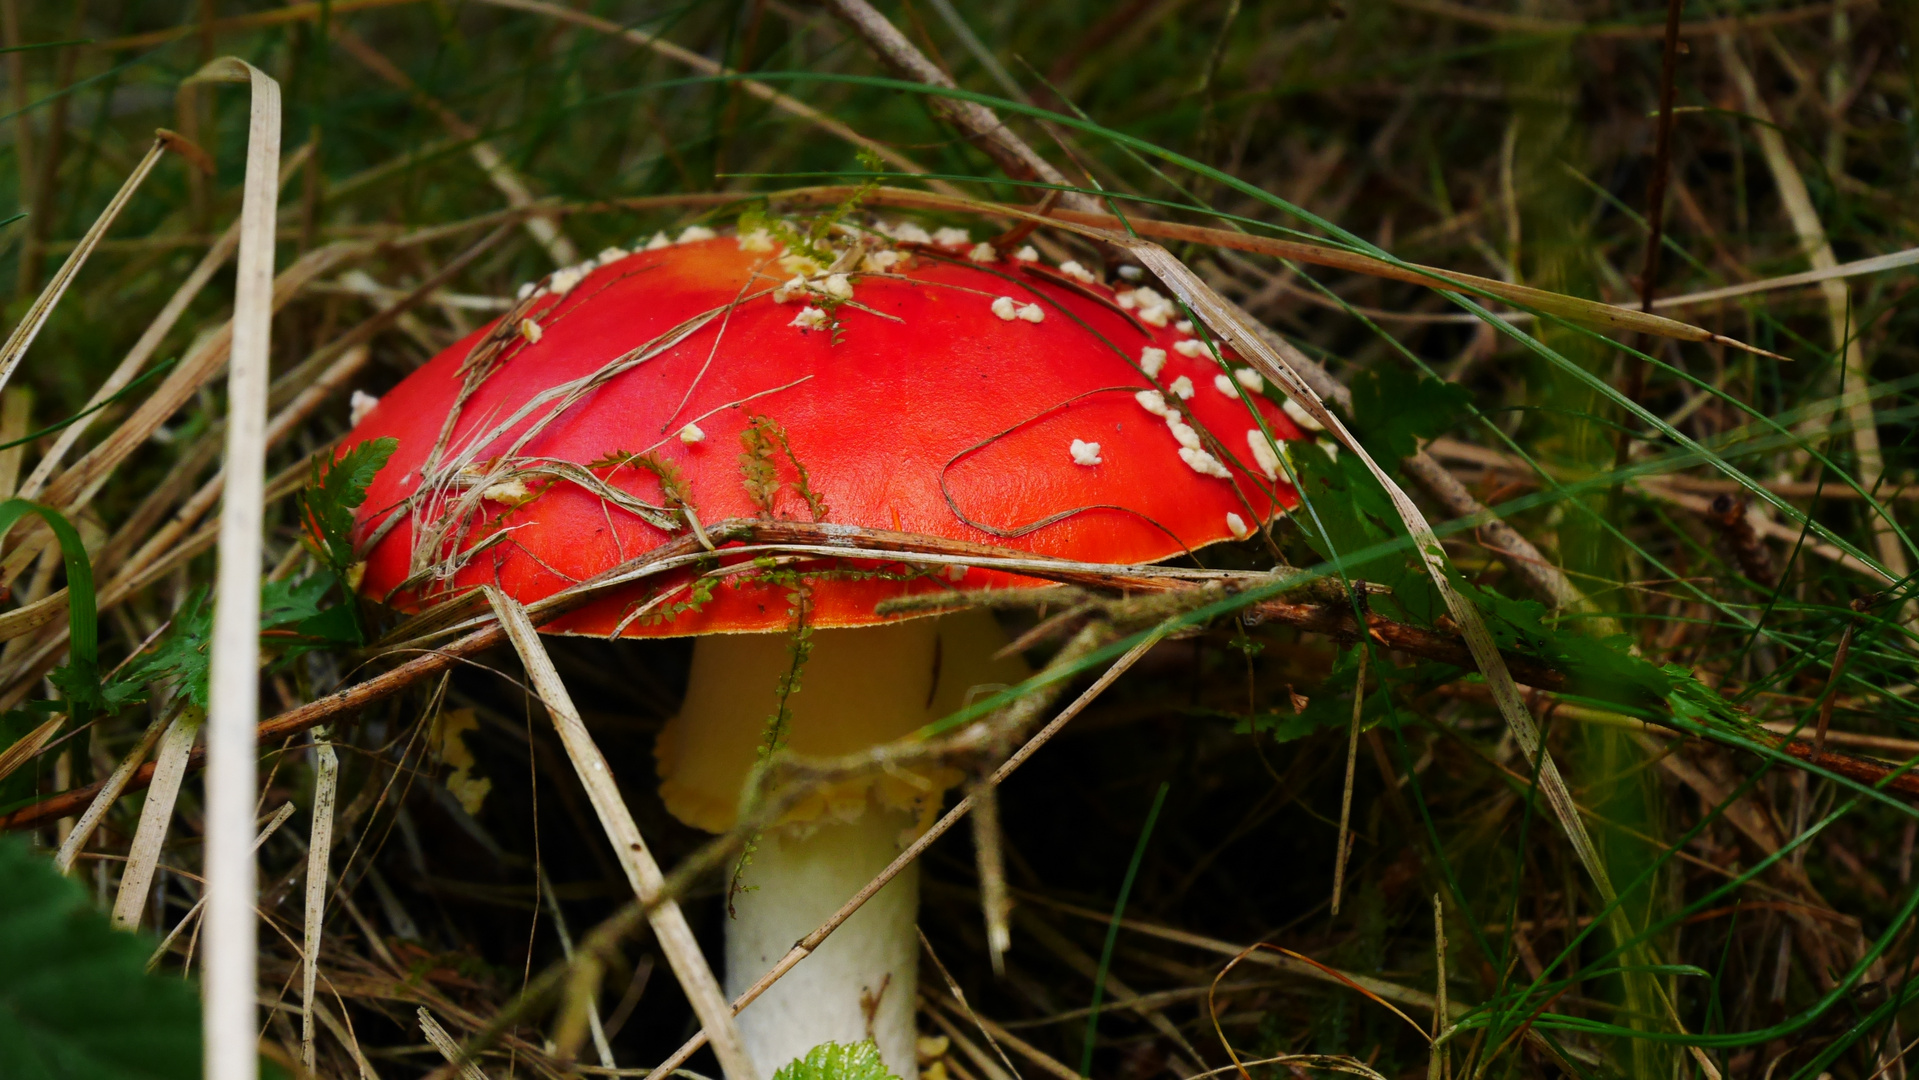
point(997, 401)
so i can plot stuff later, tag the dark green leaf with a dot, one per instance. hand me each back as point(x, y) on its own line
point(83, 632)
point(75, 1000)
point(1352, 519)
point(1394, 408)
point(288, 602)
point(1604, 669)
point(180, 657)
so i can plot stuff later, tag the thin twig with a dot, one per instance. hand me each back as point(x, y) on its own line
point(643, 874)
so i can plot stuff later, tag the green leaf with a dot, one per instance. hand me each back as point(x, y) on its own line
point(838, 1061)
point(75, 1000)
point(1394, 408)
point(83, 631)
point(335, 488)
point(1352, 519)
point(1601, 668)
point(180, 658)
point(288, 601)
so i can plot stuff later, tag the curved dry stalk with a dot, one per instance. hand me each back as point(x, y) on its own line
point(228, 979)
point(669, 924)
point(1609, 317)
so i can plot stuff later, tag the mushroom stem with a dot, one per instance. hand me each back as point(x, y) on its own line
point(858, 688)
point(861, 982)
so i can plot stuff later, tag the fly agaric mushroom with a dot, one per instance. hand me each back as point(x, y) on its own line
point(916, 386)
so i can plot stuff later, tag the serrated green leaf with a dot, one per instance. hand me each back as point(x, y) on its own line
point(838, 1061)
point(335, 488)
point(288, 601)
point(75, 1000)
point(180, 658)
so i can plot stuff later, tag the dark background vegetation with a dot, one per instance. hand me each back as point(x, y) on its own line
point(1512, 139)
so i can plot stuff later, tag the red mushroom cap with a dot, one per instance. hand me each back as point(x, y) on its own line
point(917, 405)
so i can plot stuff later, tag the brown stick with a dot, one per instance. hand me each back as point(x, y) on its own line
point(1334, 619)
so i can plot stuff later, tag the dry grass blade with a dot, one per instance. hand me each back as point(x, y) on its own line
point(16, 409)
point(1608, 317)
point(1047, 1062)
point(229, 998)
point(448, 1048)
point(990, 856)
point(1857, 369)
point(326, 783)
point(36, 316)
point(643, 874)
point(28, 746)
point(953, 988)
point(1877, 264)
point(1440, 1063)
point(187, 921)
point(1342, 847)
point(975, 1053)
point(116, 783)
point(346, 1039)
point(156, 815)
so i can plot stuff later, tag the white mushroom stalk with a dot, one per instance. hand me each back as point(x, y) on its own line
point(859, 688)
